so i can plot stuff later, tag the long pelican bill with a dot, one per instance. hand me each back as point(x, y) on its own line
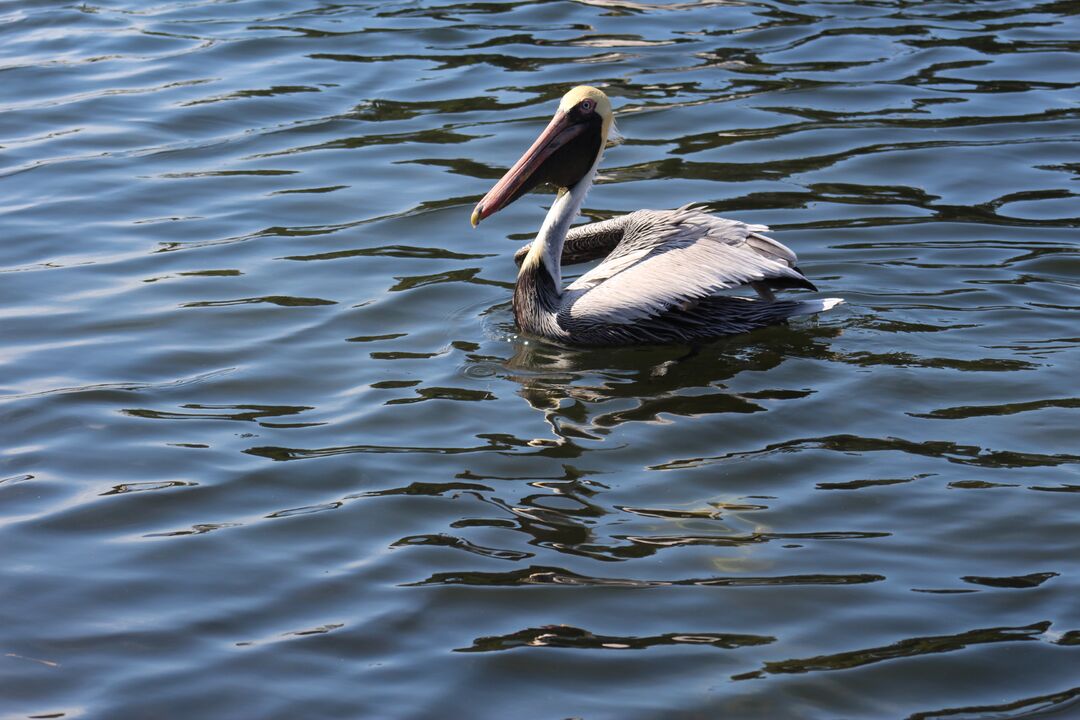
point(529, 170)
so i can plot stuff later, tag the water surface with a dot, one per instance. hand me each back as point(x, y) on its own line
point(271, 447)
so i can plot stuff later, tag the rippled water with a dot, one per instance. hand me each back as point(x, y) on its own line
point(271, 448)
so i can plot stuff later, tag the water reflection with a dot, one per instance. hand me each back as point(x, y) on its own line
point(563, 636)
point(571, 386)
point(1031, 706)
point(961, 454)
point(912, 647)
point(540, 575)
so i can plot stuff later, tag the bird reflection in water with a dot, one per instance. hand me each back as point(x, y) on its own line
point(575, 387)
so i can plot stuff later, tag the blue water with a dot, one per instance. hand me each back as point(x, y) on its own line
point(271, 447)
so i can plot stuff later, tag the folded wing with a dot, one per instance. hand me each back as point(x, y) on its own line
point(586, 243)
point(670, 260)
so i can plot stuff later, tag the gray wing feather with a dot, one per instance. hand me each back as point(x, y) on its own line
point(770, 248)
point(585, 243)
point(674, 258)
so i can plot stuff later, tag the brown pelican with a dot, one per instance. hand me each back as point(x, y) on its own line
point(664, 270)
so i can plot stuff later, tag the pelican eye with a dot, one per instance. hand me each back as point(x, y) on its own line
point(587, 105)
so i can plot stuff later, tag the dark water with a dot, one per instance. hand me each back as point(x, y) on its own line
point(271, 448)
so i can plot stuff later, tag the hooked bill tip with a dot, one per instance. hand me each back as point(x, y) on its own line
point(475, 219)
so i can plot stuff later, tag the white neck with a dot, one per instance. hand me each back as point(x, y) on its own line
point(548, 245)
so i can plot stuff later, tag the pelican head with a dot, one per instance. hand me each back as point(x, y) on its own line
point(565, 152)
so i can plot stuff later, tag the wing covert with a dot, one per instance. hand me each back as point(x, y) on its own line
point(671, 259)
